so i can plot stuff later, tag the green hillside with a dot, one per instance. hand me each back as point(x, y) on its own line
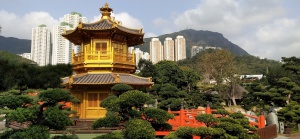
point(15, 45)
point(200, 37)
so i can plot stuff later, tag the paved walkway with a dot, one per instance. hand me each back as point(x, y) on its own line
point(281, 137)
point(292, 136)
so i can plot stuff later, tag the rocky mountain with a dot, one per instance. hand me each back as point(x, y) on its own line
point(15, 45)
point(198, 37)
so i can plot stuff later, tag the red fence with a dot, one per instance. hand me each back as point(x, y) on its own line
point(187, 118)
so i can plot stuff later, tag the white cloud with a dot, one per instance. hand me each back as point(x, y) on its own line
point(126, 19)
point(260, 27)
point(160, 21)
point(21, 26)
point(149, 35)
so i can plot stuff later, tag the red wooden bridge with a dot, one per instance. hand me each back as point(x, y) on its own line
point(187, 118)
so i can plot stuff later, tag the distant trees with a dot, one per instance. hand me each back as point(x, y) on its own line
point(19, 73)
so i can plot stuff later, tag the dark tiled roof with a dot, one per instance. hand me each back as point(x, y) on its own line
point(132, 79)
point(94, 79)
point(111, 78)
point(100, 25)
point(133, 31)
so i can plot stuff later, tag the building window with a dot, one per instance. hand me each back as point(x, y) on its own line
point(101, 47)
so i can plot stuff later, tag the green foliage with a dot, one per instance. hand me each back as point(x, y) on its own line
point(55, 95)
point(228, 119)
point(111, 103)
point(237, 115)
point(222, 112)
point(20, 73)
point(33, 132)
point(74, 13)
point(56, 119)
point(290, 115)
point(292, 65)
point(43, 112)
point(197, 98)
point(121, 88)
point(231, 128)
point(185, 132)
point(171, 136)
point(111, 119)
point(161, 126)
point(19, 101)
point(23, 114)
point(139, 129)
point(168, 91)
point(173, 103)
point(158, 116)
point(133, 98)
point(112, 135)
point(149, 70)
point(208, 132)
point(207, 119)
point(171, 73)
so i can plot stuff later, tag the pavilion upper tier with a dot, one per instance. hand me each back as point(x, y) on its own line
point(106, 27)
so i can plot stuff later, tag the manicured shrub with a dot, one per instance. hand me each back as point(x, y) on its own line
point(111, 119)
point(121, 88)
point(139, 129)
point(185, 132)
point(207, 119)
point(111, 103)
point(33, 132)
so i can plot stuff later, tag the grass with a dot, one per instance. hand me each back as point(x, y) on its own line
point(82, 136)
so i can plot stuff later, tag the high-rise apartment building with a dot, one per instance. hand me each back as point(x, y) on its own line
point(41, 45)
point(180, 48)
point(138, 55)
point(168, 52)
point(156, 50)
point(62, 48)
point(74, 18)
point(146, 56)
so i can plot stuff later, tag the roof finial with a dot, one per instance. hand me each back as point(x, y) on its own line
point(106, 11)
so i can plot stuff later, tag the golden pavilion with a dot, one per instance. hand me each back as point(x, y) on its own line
point(104, 61)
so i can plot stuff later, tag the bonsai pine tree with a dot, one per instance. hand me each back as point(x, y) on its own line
point(45, 111)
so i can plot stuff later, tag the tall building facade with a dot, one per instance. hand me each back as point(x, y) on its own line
point(41, 45)
point(180, 48)
point(156, 50)
point(74, 18)
point(62, 48)
point(168, 52)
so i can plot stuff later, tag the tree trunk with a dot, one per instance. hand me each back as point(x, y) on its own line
point(233, 100)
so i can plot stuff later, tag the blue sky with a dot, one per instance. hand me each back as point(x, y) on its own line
point(265, 28)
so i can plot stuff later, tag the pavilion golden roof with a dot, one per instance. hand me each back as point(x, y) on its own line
point(105, 25)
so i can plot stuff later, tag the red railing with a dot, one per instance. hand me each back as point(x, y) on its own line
point(187, 118)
